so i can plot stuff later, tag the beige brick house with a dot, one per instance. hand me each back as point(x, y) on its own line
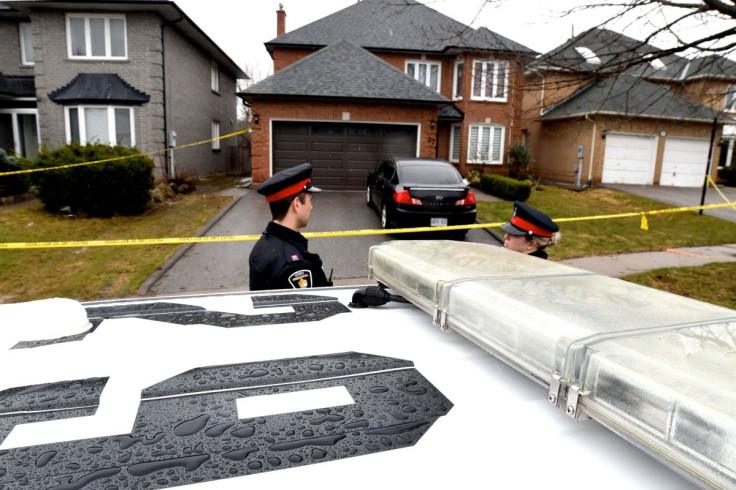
point(139, 73)
point(378, 79)
point(590, 118)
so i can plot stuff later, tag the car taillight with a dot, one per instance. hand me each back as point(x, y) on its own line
point(403, 197)
point(469, 199)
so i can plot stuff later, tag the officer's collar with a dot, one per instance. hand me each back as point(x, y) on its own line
point(281, 231)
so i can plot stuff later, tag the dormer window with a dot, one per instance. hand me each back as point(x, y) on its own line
point(657, 64)
point(96, 37)
point(588, 55)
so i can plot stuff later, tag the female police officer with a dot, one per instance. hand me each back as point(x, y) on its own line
point(530, 231)
point(280, 258)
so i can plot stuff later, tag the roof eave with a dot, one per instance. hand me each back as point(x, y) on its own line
point(545, 118)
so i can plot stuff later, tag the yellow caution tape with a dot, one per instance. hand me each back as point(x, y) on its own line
point(323, 234)
point(106, 160)
point(710, 180)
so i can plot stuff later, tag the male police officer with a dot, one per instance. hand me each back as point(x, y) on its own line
point(280, 259)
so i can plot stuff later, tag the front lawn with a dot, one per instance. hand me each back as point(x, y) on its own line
point(620, 235)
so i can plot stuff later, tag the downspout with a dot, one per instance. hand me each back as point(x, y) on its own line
point(592, 152)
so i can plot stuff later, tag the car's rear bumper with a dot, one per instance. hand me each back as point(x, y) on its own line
point(404, 218)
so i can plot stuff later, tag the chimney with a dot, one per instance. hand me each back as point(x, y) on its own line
point(280, 20)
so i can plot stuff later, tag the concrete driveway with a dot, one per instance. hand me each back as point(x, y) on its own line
point(207, 267)
point(684, 197)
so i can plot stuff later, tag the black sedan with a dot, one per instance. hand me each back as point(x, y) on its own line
point(411, 192)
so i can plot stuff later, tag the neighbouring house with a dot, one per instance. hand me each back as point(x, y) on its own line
point(385, 78)
point(138, 73)
point(592, 115)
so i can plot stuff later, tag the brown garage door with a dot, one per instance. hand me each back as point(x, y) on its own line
point(340, 153)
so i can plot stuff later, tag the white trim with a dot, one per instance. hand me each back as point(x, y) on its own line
point(496, 64)
point(453, 129)
point(454, 81)
point(14, 121)
point(88, 38)
point(23, 60)
point(427, 77)
point(111, 127)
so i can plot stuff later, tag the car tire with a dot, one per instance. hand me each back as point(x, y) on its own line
point(385, 221)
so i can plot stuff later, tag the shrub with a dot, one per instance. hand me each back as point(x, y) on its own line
point(505, 187)
point(13, 185)
point(728, 174)
point(102, 189)
point(473, 177)
point(520, 157)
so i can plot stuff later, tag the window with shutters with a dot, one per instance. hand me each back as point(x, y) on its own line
point(490, 80)
point(425, 72)
point(455, 133)
point(485, 144)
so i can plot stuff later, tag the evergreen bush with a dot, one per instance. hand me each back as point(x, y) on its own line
point(505, 187)
point(728, 174)
point(520, 157)
point(13, 185)
point(101, 189)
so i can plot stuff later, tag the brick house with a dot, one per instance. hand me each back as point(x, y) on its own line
point(385, 78)
point(138, 72)
point(591, 117)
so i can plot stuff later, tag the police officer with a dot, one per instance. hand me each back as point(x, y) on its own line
point(530, 231)
point(280, 259)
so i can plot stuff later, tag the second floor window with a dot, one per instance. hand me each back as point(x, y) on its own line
point(490, 80)
point(215, 78)
point(100, 124)
point(97, 37)
point(731, 99)
point(26, 43)
point(457, 89)
point(425, 72)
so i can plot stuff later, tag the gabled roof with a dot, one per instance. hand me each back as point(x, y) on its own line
point(613, 51)
point(169, 11)
point(397, 25)
point(17, 86)
point(98, 87)
point(712, 66)
point(344, 70)
point(627, 95)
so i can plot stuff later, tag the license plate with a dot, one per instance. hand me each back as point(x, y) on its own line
point(438, 222)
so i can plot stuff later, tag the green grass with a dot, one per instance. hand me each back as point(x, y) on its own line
point(87, 273)
point(713, 283)
point(619, 235)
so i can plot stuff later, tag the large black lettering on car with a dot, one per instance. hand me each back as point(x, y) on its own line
point(188, 430)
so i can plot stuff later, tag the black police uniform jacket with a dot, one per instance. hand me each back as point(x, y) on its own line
point(280, 260)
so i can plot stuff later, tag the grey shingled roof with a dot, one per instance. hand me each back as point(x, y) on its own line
point(627, 95)
point(17, 86)
point(98, 87)
point(344, 70)
point(614, 50)
point(712, 66)
point(405, 25)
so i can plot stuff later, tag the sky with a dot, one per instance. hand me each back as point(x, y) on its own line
point(240, 27)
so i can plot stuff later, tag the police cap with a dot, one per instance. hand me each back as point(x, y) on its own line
point(529, 221)
point(287, 183)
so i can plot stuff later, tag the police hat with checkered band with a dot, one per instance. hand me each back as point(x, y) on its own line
point(287, 183)
point(529, 221)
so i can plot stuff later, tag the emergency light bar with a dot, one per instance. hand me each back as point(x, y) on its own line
point(656, 368)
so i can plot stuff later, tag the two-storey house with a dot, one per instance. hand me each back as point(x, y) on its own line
point(385, 78)
point(137, 73)
point(606, 108)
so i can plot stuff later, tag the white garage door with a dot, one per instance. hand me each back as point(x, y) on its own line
point(629, 159)
point(685, 162)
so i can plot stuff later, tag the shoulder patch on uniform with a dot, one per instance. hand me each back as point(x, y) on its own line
point(294, 257)
point(301, 279)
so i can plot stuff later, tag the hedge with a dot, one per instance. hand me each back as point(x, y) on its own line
point(13, 185)
point(505, 187)
point(101, 189)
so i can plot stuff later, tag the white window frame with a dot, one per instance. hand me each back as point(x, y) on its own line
point(25, 50)
point(730, 99)
point(455, 131)
point(88, 37)
point(428, 76)
point(457, 92)
point(215, 135)
point(111, 128)
point(215, 77)
point(490, 68)
point(14, 113)
point(475, 155)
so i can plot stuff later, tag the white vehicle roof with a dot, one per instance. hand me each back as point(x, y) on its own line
point(288, 389)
